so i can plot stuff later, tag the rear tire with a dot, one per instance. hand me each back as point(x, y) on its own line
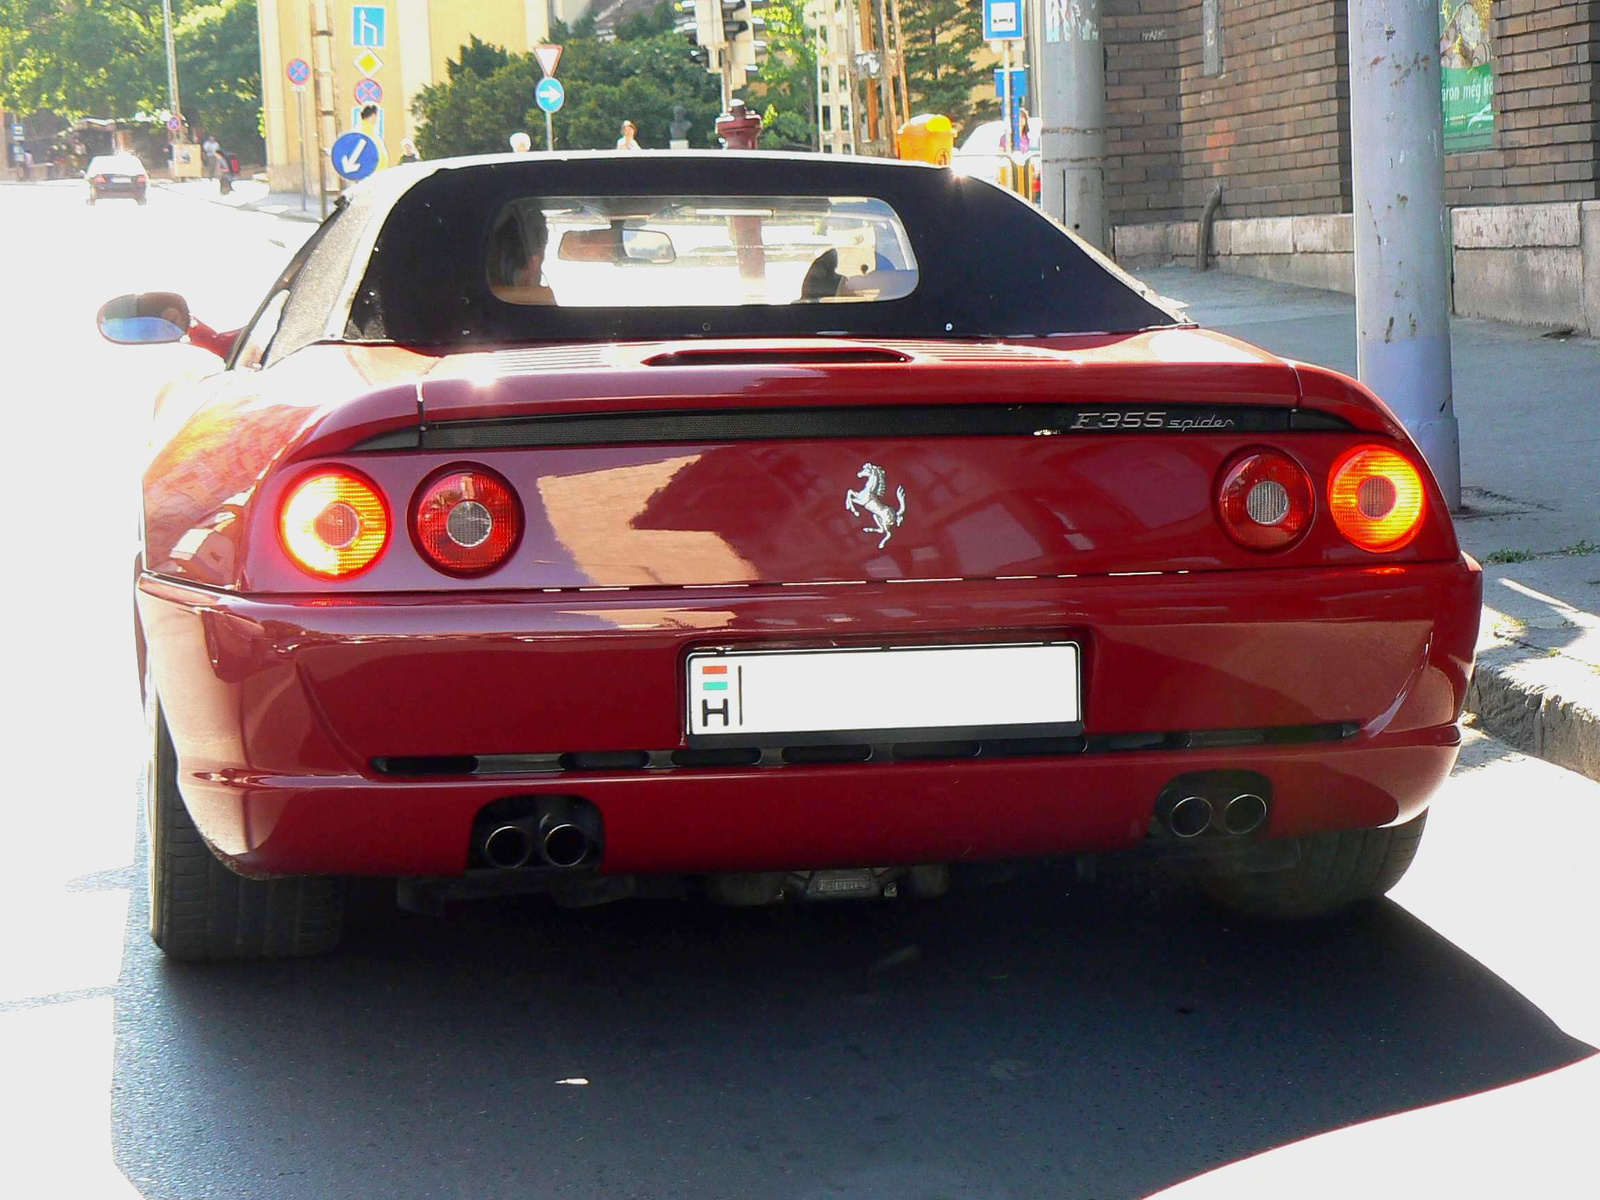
point(1335, 871)
point(200, 910)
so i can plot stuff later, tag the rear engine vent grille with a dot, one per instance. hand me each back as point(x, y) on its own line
point(777, 757)
point(795, 356)
point(549, 358)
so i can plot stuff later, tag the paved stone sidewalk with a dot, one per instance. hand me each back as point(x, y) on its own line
point(248, 196)
point(1529, 408)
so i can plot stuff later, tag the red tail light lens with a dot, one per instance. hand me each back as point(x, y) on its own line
point(144, 179)
point(1376, 497)
point(334, 524)
point(1266, 500)
point(467, 521)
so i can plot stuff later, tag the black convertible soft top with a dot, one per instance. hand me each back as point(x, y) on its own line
point(990, 264)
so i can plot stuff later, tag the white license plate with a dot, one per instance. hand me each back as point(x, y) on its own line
point(894, 693)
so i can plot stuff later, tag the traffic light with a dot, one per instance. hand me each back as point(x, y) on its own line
point(742, 27)
point(698, 21)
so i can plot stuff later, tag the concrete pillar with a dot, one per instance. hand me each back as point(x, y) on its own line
point(1072, 119)
point(1402, 229)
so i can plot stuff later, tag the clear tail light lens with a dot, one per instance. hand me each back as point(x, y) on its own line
point(1376, 497)
point(334, 524)
point(1266, 500)
point(467, 521)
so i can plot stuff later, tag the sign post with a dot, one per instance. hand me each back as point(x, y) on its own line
point(549, 56)
point(1002, 22)
point(298, 71)
point(549, 96)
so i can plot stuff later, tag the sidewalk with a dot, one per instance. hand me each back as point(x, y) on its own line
point(1529, 408)
point(247, 196)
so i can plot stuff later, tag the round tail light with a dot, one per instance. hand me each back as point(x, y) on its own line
point(467, 521)
point(1266, 500)
point(1376, 497)
point(333, 524)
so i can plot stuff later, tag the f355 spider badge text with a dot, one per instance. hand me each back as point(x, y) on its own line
point(869, 499)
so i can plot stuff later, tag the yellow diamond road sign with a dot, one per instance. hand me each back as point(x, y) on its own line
point(368, 63)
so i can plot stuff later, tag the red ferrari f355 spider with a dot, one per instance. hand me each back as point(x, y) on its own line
point(765, 526)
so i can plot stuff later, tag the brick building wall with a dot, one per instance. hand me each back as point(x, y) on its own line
point(1546, 56)
point(1274, 126)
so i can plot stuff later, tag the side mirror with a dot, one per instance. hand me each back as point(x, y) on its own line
point(144, 319)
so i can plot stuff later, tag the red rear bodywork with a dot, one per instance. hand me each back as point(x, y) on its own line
point(359, 725)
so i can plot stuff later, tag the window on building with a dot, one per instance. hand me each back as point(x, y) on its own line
point(827, 80)
point(827, 118)
point(844, 117)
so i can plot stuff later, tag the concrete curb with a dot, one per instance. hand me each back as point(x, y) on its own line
point(1537, 682)
point(1514, 698)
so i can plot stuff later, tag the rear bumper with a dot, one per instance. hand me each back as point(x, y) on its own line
point(102, 191)
point(278, 710)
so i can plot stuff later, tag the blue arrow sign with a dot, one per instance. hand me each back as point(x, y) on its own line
point(550, 95)
point(355, 155)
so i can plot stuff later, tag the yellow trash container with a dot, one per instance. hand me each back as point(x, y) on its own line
point(928, 138)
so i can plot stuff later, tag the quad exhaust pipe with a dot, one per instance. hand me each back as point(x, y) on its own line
point(1244, 814)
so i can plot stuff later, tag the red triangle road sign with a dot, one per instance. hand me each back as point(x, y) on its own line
point(548, 57)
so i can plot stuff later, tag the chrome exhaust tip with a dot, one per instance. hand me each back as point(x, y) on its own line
point(1189, 817)
point(508, 847)
point(1244, 813)
point(563, 844)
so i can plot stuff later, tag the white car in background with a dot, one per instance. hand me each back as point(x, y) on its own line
point(981, 155)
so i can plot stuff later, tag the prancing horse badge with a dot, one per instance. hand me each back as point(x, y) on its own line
point(869, 499)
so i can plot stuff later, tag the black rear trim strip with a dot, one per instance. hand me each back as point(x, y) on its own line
point(877, 421)
point(777, 756)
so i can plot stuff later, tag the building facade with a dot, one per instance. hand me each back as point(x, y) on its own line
point(1253, 96)
point(832, 24)
point(386, 51)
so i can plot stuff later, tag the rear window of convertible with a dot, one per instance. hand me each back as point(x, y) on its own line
point(697, 251)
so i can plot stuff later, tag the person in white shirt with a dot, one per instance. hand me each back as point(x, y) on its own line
point(629, 139)
point(208, 154)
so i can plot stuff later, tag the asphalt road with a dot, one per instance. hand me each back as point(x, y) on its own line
point(1029, 1038)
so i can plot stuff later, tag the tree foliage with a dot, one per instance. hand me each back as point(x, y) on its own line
point(941, 37)
point(107, 58)
point(786, 88)
point(637, 78)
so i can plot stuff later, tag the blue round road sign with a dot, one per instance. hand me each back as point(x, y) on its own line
point(550, 95)
point(298, 70)
point(355, 155)
point(368, 91)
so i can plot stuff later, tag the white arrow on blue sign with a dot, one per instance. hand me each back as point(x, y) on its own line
point(355, 155)
point(550, 95)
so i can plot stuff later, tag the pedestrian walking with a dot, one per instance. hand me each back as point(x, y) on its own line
point(220, 163)
point(629, 139)
point(208, 154)
point(27, 166)
point(408, 151)
point(1023, 132)
point(371, 124)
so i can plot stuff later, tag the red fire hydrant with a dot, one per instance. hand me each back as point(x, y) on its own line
point(739, 128)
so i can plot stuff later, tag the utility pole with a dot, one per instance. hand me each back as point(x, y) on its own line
point(1402, 247)
point(1072, 119)
point(172, 71)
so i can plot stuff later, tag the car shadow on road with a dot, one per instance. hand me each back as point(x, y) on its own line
point(1027, 1039)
